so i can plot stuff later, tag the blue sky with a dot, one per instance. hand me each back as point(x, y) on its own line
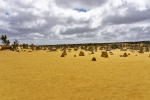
point(74, 21)
point(81, 10)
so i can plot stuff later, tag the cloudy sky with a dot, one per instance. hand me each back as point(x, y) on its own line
point(74, 21)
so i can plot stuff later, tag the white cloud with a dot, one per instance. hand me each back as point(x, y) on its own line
point(56, 21)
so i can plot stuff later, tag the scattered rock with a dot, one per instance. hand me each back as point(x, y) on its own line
point(93, 59)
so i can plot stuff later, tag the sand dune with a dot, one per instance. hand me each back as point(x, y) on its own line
point(45, 75)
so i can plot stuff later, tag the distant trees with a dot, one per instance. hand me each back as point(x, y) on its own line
point(4, 40)
point(32, 46)
point(114, 46)
point(25, 46)
point(15, 44)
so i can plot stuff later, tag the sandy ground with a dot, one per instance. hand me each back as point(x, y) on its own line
point(46, 76)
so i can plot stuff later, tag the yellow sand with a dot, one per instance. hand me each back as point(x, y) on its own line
point(45, 75)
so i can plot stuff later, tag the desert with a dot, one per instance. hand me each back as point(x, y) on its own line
point(74, 49)
point(45, 75)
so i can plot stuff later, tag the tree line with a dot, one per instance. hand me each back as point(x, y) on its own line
point(6, 42)
point(15, 44)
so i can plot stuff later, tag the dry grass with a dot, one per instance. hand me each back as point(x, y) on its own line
point(46, 76)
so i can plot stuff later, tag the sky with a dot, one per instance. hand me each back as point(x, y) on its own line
point(45, 22)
